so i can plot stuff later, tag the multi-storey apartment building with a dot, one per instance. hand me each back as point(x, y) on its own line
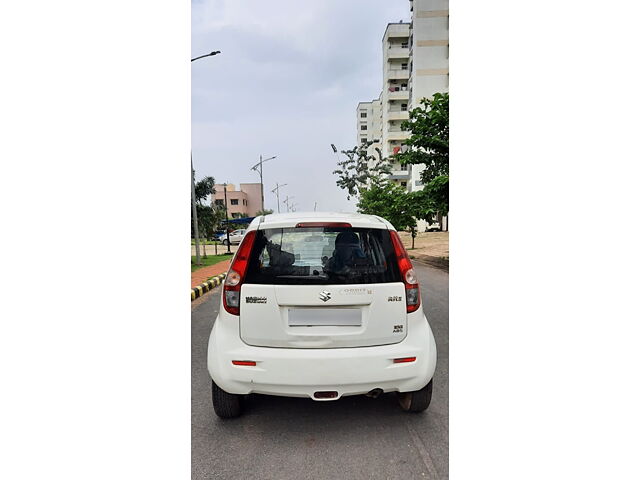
point(415, 65)
point(394, 99)
point(369, 121)
point(240, 203)
point(429, 57)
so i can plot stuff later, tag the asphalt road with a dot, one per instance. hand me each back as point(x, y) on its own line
point(295, 438)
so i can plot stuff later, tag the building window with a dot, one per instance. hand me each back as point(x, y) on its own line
point(363, 127)
point(234, 201)
point(363, 114)
point(363, 139)
point(405, 66)
point(403, 184)
point(219, 202)
point(403, 107)
point(418, 183)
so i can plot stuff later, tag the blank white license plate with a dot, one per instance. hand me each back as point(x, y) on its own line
point(306, 317)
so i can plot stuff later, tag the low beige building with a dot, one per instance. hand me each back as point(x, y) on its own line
point(245, 202)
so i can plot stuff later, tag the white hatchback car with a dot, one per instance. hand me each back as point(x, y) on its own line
point(321, 305)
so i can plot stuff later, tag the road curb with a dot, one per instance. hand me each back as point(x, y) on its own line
point(199, 290)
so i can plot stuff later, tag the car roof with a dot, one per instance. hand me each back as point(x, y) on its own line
point(284, 220)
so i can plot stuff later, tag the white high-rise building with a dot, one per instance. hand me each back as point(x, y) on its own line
point(369, 122)
point(415, 65)
point(429, 58)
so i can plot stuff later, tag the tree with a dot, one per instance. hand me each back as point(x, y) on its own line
point(208, 217)
point(360, 169)
point(393, 203)
point(266, 211)
point(429, 146)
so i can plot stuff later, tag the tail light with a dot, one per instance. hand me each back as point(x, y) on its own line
point(235, 275)
point(411, 287)
point(404, 360)
point(323, 224)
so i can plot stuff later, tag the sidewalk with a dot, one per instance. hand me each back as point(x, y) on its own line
point(203, 274)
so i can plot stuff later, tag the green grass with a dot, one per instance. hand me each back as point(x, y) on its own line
point(207, 262)
point(205, 242)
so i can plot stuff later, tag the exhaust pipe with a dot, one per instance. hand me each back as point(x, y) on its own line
point(375, 393)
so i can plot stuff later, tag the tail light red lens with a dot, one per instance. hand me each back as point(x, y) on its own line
point(244, 363)
point(235, 275)
point(412, 289)
point(404, 360)
point(323, 224)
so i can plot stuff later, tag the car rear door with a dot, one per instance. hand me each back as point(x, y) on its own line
point(322, 287)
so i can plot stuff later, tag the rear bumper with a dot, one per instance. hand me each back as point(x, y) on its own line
point(302, 372)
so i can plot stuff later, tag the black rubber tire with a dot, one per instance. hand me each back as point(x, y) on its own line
point(225, 242)
point(416, 401)
point(226, 405)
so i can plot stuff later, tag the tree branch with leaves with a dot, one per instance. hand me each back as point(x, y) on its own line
point(361, 169)
point(429, 146)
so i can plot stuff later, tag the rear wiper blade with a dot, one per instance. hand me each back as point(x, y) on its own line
point(305, 277)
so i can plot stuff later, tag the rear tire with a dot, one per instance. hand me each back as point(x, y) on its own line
point(226, 405)
point(417, 401)
point(225, 242)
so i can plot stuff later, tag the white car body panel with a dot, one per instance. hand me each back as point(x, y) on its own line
point(268, 325)
point(340, 355)
point(300, 372)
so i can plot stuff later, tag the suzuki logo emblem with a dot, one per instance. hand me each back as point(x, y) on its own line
point(324, 295)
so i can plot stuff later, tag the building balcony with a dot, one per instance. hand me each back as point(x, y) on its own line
point(399, 135)
point(398, 74)
point(398, 115)
point(399, 175)
point(398, 52)
point(398, 95)
point(397, 30)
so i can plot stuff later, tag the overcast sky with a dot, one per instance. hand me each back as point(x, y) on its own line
point(287, 83)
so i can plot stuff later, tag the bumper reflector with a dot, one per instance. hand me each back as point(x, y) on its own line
point(404, 360)
point(244, 363)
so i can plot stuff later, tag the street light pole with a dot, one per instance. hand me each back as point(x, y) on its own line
point(207, 55)
point(255, 167)
point(226, 216)
point(194, 210)
point(277, 192)
point(261, 187)
point(286, 200)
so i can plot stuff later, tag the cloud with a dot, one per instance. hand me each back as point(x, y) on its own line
point(287, 83)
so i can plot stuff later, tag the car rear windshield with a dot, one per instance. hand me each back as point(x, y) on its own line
point(322, 255)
